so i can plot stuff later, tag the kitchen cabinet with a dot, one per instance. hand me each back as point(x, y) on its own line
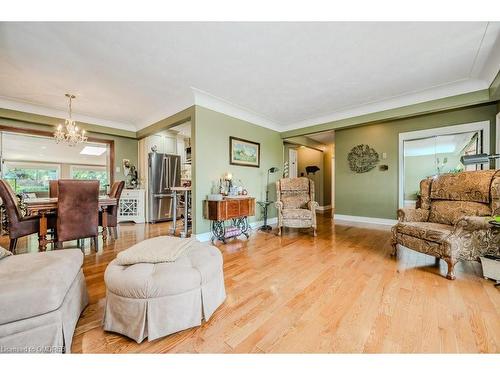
point(131, 206)
point(164, 143)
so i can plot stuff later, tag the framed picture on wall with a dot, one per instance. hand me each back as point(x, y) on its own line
point(243, 152)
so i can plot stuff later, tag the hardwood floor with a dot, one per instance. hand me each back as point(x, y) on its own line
point(338, 292)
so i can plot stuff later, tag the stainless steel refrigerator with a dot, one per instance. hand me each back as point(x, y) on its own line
point(164, 173)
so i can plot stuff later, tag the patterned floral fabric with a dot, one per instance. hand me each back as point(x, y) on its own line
point(457, 228)
point(449, 212)
point(413, 214)
point(297, 213)
point(294, 184)
point(425, 193)
point(471, 186)
point(295, 203)
point(429, 231)
point(292, 200)
point(495, 196)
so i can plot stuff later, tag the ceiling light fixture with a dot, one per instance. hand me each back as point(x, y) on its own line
point(69, 133)
point(92, 150)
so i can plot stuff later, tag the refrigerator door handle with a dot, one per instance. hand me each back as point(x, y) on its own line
point(162, 173)
point(167, 172)
point(174, 175)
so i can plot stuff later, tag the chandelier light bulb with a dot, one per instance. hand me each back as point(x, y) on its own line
point(69, 133)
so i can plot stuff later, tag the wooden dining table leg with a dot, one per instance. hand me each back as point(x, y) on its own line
point(104, 224)
point(42, 232)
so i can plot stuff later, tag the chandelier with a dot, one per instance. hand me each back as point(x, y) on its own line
point(69, 132)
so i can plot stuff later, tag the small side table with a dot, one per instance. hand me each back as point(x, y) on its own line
point(264, 205)
point(187, 197)
point(237, 210)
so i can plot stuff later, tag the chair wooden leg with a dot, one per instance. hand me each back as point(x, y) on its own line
point(12, 245)
point(394, 251)
point(115, 233)
point(96, 243)
point(314, 232)
point(451, 269)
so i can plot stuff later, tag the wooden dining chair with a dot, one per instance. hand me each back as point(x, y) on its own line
point(53, 190)
point(19, 225)
point(78, 211)
point(115, 192)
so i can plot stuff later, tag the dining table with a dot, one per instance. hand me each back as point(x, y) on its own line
point(44, 206)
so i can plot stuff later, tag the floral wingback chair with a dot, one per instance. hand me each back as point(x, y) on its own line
point(295, 203)
point(452, 223)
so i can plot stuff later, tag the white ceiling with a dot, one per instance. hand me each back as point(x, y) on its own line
point(279, 75)
point(326, 138)
point(19, 147)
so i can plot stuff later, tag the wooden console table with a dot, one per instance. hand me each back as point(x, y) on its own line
point(235, 209)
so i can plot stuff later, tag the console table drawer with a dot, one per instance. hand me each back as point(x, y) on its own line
point(232, 209)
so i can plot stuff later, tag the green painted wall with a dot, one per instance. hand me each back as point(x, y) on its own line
point(375, 193)
point(125, 148)
point(211, 159)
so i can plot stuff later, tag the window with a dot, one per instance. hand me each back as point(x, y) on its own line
point(89, 172)
point(30, 177)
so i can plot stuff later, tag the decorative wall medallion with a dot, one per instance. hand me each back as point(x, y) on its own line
point(362, 158)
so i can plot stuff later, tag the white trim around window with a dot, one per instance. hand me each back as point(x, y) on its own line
point(483, 126)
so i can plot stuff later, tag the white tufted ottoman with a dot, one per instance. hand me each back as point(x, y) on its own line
point(155, 300)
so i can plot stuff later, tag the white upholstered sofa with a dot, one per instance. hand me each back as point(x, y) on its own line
point(41, 298)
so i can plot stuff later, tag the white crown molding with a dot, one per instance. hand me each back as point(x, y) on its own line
point(486, 66)
point(204, 99)
point(439, 92)
point(159, 116)
point(15, 105)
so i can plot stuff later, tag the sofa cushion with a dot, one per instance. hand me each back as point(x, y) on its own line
point(465, 186)
point(4, 253)
point(36, 283)
point(294, 184)
point(435, 232)
point(297, 213)
point(295, 200)
point(449, 212)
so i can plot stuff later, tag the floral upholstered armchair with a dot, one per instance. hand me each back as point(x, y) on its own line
point(295, 203)
point(452, 223)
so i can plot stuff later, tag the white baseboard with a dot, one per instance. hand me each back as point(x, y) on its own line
point(324, 208)
point(364, 219)
point(204, 237)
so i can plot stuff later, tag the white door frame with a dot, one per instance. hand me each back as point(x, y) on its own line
point(483, 126)
point(293, 172)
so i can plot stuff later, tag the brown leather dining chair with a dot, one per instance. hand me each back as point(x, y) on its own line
point(78, 210)
point(19, 225)
point(115, 192)
point(53, 188)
